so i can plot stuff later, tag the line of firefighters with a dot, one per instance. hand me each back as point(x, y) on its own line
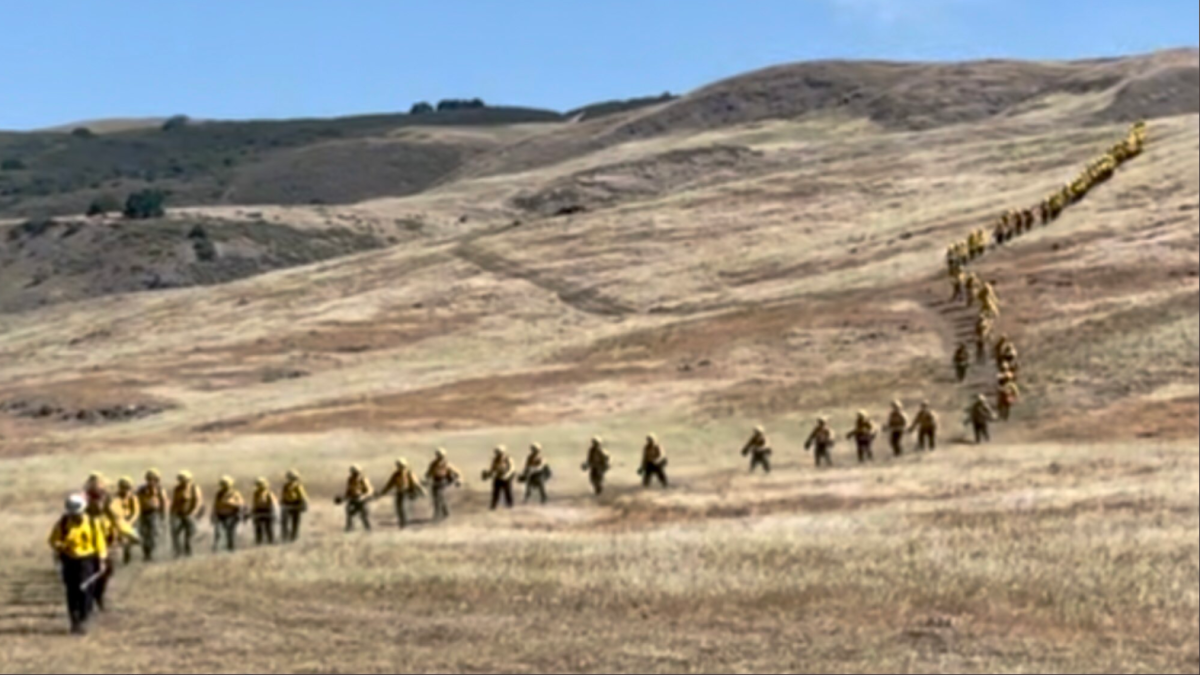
point(96, 521)
point(969, 288)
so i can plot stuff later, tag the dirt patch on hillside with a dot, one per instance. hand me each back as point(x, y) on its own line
point(493, 401)
point(1172, 419)
point(87, 400)
point(615, 183)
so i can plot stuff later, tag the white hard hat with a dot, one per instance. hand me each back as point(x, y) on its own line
point(75, 504)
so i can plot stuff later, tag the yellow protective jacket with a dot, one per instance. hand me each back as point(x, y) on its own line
point(263, 501)
point(821, 435)
point(128, 507)
point(358, 487)
point(152, 498)
point(186, 499)
point(502, 467)
point(652, 453)
point(404, 482)
point(926, 421)
point(78, 537)
point(228, 502)
point(293, 495)
point(597, 458)
point(441, 470)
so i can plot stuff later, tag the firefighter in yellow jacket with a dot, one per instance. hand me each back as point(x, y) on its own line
point(152, 512)
point(263, 508)
point(654, 462)
point(129, 509)
point(357, 496)
point(501, 472)
point(82, 557)
point(403, 482)
point(187, 501)
point(863, 433)
point(820, 441)
point(597, 464)
point(228, 512)
point(897, 422)
point(441, 474)
point(759, 450)
point(926, 426)
point(293, 502)
point(536, 473)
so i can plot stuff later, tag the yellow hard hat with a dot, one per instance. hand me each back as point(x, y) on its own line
point(651, 437)
point(401, 462)
point(759, 430)
point(439, 452)
point(536, 447)
point(152, 474)
point(292, 474)
point(226, 481)
point(185, 475)
point(261, 482)
point(862, 413)
point(125, 482)
point(596, 440)
point(499, 450)
point(897, 404)
point(354, 468)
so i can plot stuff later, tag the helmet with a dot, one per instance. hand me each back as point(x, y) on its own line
point(185, 475)
point(125, 482)
point(401, 462)
point(292, 474)
point(862, 414)
point(261, 482)
point(75, 504)
point(596, 440)
point(439, 453)
point(897, 404)
point(226, 481)
point(759, 430)
point(980, 397)
point(822, 420)
point(536, 447)
point(650, 437)
point(499, 450)
point(355, 469)
point(153, 474)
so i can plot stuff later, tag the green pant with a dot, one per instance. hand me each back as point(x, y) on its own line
point(289, 522)
point(149, 525)
point(228, 526)
point(357, 508)
point(401, 510)
point(183, 529)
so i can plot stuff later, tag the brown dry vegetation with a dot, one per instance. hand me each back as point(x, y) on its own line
point(719, 275)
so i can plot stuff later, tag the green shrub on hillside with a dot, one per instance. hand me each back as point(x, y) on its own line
point(145, 204)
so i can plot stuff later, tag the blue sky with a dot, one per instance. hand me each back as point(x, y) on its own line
point(62, 61)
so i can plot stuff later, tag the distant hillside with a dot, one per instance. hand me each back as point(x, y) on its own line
point(54, 173)
point(44, 262)
point(900, 96)
point(344, 160)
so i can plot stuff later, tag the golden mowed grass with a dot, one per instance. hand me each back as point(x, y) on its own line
point(805, 282)
point(1011, 557)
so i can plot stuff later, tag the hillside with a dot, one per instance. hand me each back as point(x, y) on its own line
point(683, 268)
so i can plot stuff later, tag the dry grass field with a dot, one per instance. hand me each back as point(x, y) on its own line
point(710, 279)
